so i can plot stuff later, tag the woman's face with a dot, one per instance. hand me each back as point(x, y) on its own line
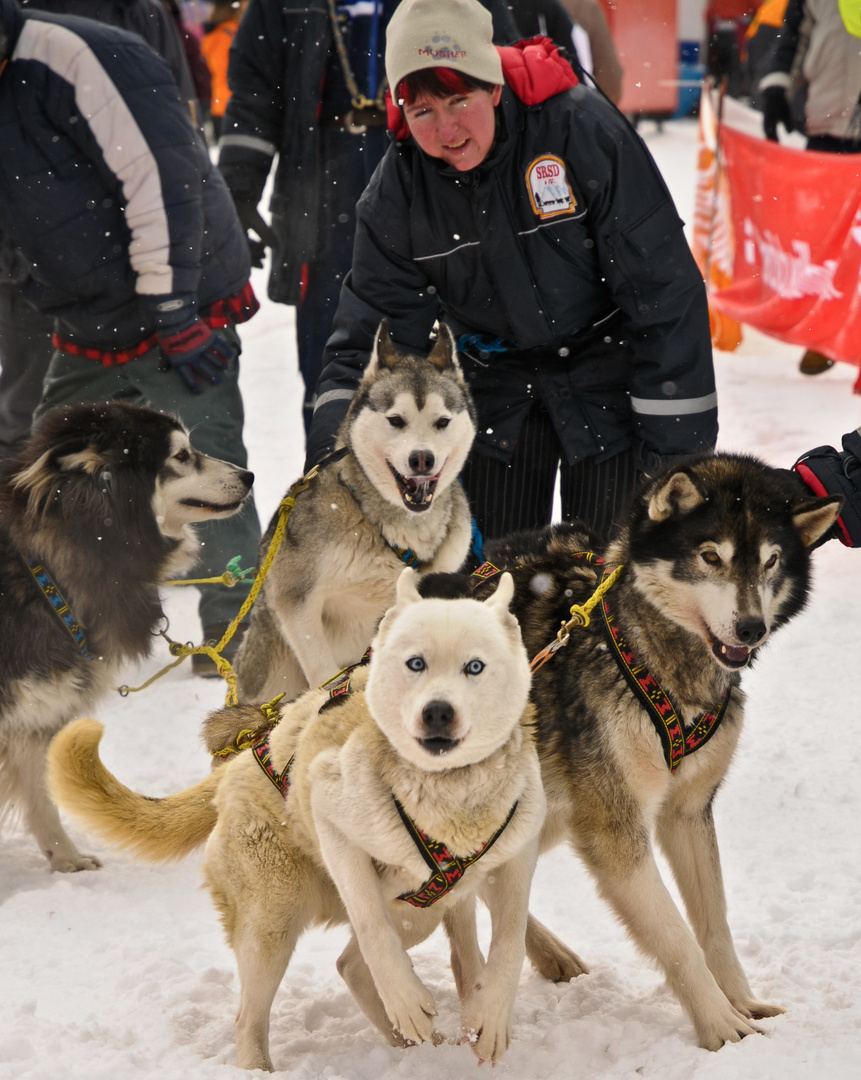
point(459, 129)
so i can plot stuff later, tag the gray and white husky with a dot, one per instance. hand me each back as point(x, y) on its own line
point(639, 716)
point(388, 496)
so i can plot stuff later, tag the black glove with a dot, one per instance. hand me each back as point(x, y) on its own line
point(827, 471)
point(194, 351)
point(775, 110)
point(251, 221)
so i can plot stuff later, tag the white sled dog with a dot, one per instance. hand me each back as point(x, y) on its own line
point(95, 511)
point(387, 497)
point(413, 790)
point(640, 715)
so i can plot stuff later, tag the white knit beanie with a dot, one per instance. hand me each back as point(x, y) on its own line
point(456, 34)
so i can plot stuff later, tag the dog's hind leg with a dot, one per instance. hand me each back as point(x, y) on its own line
point(265, 895)
point(467, 963)
point(687, 838)
point(549, 956)
point(24, 775)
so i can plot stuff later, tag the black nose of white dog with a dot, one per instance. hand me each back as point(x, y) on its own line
point(750, 631)
point(421, 462)
point(437, 717)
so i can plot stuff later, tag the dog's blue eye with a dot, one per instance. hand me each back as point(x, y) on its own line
point(397, 421)
point(415, 663)
point(474, 667)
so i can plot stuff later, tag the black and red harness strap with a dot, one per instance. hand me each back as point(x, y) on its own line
point(447, 869)
point(675, 741)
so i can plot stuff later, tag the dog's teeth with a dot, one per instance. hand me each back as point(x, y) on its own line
point(723, 649)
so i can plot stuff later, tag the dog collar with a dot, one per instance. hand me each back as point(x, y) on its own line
point(409, 557)
point(58, 604)
point(447, 869)
point(675, 741)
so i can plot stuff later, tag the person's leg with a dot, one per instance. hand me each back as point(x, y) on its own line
point(507, 496)
point(599, 494)
point(349, 163)
point(25, 353)
point(215, 420)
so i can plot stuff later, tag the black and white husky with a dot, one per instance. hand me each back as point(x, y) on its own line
point(639, 715)
point(387, 497)
point(95, 511)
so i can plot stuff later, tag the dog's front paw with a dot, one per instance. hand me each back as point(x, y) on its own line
point(486, 1025)
point(410, 1008)
point(758, 1010)
point(728, 1026)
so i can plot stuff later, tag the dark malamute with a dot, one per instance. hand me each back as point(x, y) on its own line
point(95, 511)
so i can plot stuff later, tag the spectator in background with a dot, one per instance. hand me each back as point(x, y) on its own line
point(579, 26)
point(525, 212)
point(320, 110)
point(726, 52)
point(815, 43)
point(197, 66)
point(133, 246)
point(25, 333)
point(219, 30)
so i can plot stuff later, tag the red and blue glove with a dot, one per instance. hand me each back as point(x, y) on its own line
point(195, 352)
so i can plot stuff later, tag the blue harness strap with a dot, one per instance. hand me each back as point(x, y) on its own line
point(58, 604)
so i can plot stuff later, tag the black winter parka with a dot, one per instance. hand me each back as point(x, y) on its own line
point(563, 260)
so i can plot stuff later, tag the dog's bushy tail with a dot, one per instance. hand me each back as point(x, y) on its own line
point(156, 830)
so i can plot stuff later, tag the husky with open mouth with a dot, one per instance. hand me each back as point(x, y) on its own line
point(387, 497)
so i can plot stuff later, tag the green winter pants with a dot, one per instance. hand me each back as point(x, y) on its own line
point(214, 418)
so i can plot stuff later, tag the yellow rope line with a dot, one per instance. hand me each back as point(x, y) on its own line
point(214, 652)
point(580, 616)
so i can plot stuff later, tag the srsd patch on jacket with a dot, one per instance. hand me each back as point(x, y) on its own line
point(549, 190)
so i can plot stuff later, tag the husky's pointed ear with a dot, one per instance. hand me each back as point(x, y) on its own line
point(384, 354)
point(406, 593)
point(504, 593)
point(407, 589)
point(813, 518)
point(677, 494)
point(500, 601)
point(444, 353)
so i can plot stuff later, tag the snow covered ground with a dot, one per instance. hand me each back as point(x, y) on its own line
point(124, 974)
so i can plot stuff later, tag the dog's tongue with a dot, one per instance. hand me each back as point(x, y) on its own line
point(421, 488)
point(735, 654)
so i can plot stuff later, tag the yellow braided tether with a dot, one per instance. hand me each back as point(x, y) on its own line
point(580, 616)
point(214, 652)
point(580, 612)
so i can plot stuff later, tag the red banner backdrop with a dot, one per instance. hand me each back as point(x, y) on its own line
point(796, 226)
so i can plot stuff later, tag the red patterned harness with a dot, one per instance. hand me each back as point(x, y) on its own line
point(447, 869)
point(675, 742)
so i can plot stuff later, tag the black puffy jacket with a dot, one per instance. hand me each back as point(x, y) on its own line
point(596, 298)
point(105, 185)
